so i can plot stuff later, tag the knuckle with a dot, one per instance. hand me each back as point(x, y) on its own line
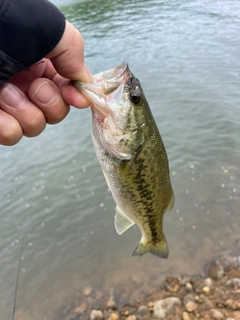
point(35, 125)
point(58, 116)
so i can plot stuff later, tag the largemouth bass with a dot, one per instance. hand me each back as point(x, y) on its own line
point(132, 155)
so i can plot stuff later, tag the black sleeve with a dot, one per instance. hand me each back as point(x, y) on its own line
point(29, 30)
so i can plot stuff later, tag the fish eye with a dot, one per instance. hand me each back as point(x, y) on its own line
point(135, 97)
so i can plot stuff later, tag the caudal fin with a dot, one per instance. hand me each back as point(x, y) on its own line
point(159, 249)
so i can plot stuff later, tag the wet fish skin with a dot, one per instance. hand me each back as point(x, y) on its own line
point(132, 155)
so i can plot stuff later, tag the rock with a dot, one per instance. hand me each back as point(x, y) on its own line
point(132, 317)
point(236, 315)
point(87, 291)
point(208, 282)
point(207, 303)
point(185, 316)
point(81, 308)
point(189, 287)
point(234, 282)
point(216, 314)
point(96, 315)
point(113, 316)
point(187, 298)
point(111, 302)
point(143, 310)
point(150, 305)
point(215, 270)
point(191, 306)
point(161, 307)
point(172, 284)
point(206, 289)
point(233, 304)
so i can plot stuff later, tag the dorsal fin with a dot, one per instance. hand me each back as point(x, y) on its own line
point(122, 222)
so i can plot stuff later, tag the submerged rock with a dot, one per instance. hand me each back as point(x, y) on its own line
point(113, 316)
point(215, 270)
point(191, 306)
point(161, 307)
point(185, 316)
point(96, 315)
point(235, 282)
point(216, 314)
point(87, 291)
point(143, 310)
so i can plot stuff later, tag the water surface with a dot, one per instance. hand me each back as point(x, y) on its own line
point(186, 54)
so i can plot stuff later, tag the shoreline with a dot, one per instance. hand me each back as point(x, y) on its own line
point(215, 294)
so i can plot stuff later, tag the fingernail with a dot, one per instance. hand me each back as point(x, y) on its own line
point(46, 94)
point(12, 97)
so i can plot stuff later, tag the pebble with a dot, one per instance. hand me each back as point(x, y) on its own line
point(235, 282)
point(207, 303)
point(87, 291)
point(215, 270)
point(189, 287)
point(132, 317)
point(111, 302)
point(191, 306)
point(143, 310)
point(216, 314)
point(208, 282)
point(206, 289)
point(187, 298)
point(185, 316)
point(81, 308)
point(161, 307)
point(96, 315)
point(233, 304)
point(150, 305)
point(113, 316)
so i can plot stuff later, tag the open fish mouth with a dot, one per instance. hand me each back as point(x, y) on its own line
point(113, 74)
point(104, 82)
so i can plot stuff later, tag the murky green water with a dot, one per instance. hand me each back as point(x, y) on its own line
point(186, 54)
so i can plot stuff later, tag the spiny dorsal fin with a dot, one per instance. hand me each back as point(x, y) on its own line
point(122, 222)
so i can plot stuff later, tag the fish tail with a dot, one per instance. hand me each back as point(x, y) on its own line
point(159, 249)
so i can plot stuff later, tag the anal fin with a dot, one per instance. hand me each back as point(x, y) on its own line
point(122, 222)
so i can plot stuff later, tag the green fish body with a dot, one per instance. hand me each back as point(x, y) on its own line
point(132, 155)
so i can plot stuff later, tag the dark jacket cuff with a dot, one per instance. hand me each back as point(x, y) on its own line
point(29, 30)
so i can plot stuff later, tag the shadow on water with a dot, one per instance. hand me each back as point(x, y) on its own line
point(187, 58)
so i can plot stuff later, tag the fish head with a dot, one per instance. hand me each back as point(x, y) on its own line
point(120, 111)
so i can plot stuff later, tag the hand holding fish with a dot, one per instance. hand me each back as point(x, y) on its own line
point(41, 94)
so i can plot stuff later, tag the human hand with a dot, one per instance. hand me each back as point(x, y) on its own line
point(31, 99)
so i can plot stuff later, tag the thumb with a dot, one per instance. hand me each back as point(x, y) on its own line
point(68, 56)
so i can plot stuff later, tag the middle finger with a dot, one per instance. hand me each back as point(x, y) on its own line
point(14, 102)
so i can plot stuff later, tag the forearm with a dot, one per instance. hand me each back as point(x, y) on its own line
point(29, 30)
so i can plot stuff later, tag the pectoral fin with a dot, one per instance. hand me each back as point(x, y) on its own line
point(171, 202)
point(122, 222)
